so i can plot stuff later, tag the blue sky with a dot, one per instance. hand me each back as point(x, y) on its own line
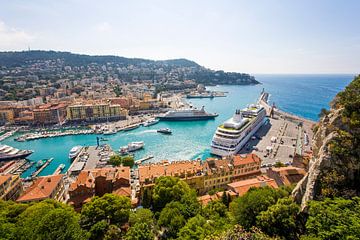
point(254, 36)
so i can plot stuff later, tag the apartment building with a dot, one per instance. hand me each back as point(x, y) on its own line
point(95, 112)
point(44, 188)
point(10, 187)
point(97, 182)
point(50, 113)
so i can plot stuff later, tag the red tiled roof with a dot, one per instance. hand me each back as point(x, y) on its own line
point(241, 187)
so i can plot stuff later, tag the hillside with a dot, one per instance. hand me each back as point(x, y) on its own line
point(335, 168)
point(143, 69)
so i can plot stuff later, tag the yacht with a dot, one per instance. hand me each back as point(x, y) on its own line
point(10, 153)
point(164, 130)
point(74, 152)
point(151, 122)
point(233, 134)
point(109, 132)
point(131, 147)
point(187, 115)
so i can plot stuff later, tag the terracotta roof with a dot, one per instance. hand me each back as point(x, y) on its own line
point(214, 165)
point(124, 191)
point(87, 177)
point(168, 169)
point(4, 178)
point(241, 187)
point(245, 159)
point(287, 175)
point(41, 188)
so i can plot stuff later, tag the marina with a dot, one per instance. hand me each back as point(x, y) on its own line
point(42, 167)
point(194, 136)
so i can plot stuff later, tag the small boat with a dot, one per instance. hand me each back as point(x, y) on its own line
point(109, 132)
point(164, 130)
point(104, 139)
point(75, 151)
point(131, 147)
point(40, 163)
point(131, 127)
point(61, 166)
point(151, 122)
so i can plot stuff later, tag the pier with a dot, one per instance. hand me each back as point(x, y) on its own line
point(281, 138)
point(59, 169)
point(34, 174)
point(138, 162)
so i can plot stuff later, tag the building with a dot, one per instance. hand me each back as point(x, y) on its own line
point(241, 187)
point(44, 188)
point(205, 199)
point(6, 115)
point(10, 187)
point(220, 172)
point(95, 112)
point(50, 113)
point(97, 182)
point(286, 175)
point(188, 171)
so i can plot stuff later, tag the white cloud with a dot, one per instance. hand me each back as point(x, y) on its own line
point(13, 39)
point(103, 27)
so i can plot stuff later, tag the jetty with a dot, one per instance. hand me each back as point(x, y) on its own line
point(34, 174)
point(59, 169)
point(8, 134)
point(51, 134)
point(138, 162)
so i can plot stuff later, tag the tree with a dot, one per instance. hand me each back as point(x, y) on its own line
point(111, 208)
point(115, 160)
point(224, 199)
point(49, 220)
point(113, 233)
point(171, 219)
point(280, 219)
point(168, 189)
point(140, 231)
point(334, 219)
point(128, 161)
point(146, 200)
point(246, 208)
point(141, 215)
point(214, 208)
point(196, 228)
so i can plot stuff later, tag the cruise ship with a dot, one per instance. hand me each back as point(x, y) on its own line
point(187, 115)
point(10, 153)
point(233, 134)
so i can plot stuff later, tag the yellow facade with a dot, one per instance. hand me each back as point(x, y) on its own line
point(95, 112)
point(6, 116)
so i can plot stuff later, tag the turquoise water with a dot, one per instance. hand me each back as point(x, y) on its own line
point(303, 95)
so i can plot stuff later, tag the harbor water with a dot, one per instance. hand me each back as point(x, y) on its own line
point(303, 95)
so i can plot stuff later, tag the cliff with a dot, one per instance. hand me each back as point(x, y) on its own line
point(334, 169)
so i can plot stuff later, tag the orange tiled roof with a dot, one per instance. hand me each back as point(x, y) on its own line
point(4, 178)
point(245, 159)
point(123, 191)
point(213, 164)
point(241, 187)
point(87, 177)
point(168, 169)
point(41, 188)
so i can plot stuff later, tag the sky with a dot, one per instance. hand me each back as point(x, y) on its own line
point(254, 36)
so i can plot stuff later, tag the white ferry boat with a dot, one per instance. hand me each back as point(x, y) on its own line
point(233, 134)
point(10, 153)
point(131, 147)
point(75, 151)
point(187, 115)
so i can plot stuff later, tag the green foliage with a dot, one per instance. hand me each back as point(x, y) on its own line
point(110, 208)
point(323, 112)
point(141, 215)
point(146, 200)
point(117, 90)
point(279, 164)
point(215, 190)
point(168, 189)
point(196, 228)
point(238, 232)
point(334, 219)
point(214, 208)
point(280, 219)
point(246, 208)
point(140, 231)
point(117, 160)
point(172, 219)
point(48, 220)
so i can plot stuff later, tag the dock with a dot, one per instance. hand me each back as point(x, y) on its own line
point(34, 174)
point(59, 169)
point(138, 162)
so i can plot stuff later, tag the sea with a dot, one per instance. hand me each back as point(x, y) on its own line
point(303, 95)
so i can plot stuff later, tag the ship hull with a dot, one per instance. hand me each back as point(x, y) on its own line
point(223, 152)
point(12, 157)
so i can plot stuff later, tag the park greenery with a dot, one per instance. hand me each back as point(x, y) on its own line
point(117, 160)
